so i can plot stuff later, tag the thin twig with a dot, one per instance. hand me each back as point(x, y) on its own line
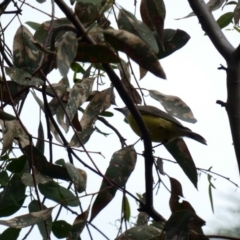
point(121, 138)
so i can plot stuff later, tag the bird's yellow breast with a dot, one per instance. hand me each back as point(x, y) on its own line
point(160, 129)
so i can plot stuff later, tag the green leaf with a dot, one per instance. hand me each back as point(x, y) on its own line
point(23, 78)
point(236, 16)
point(87, 12)
point(78, 177)
point(17, 165)
point(27, 220)
point(103, 133)
point(61, 117)
point(59, 194)
point(78, 225)
point(225, 19)
point(136, 49)
point(14, 91)
point(145, 15)
point(25, 54)
point(141, 233)
point(12, 197)
point(43, 30)
point(12, 207)
point(127, 21)
point(39, 101)
point(212, 5)
point(42, 164)
point(174, 105)
point(178, 149)
point(77, 68)
point(34, 207)
point(215, 5)
point(27, 179)
point(66, 52)
point(60, 162)
point(84, 136)
point(119, 170)
point(78, 95)
point(124, 70)
point(229, 3)
point(33, 25)
point(41, 105)
point(10, 234)
point(40, 141)
point(8, 135)
point(210, 196)
point(4, 157)
point(157, 12)
point(173, 40)
point(106, 114)
point(4, 5)
point(4, 179)
point(105, 4)
point(13, 130)
point(61, 228)
point(181, 223)
point(210, 186)
point(6, 116)
point(126, 211)
point(99, 103)
point(95, 54)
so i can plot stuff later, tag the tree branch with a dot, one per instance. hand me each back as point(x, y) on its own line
point(231, 55)
point(121, 138)
point(233, 103)
point(210, 26)
point(126, 99)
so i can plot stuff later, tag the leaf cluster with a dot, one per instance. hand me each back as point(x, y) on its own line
point(90, 54)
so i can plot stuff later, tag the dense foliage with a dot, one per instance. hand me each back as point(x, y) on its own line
point(96, 42)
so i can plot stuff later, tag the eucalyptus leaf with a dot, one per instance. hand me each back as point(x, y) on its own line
point(23, 78)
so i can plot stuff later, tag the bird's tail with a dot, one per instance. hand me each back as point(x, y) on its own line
point(196, 137)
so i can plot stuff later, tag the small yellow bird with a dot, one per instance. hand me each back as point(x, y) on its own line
point(161, 126)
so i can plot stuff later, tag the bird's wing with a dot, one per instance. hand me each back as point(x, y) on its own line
point(150, 110)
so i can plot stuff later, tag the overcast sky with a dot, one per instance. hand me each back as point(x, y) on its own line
point(192, 75)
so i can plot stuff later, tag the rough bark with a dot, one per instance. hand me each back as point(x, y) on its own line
point(232, 57)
